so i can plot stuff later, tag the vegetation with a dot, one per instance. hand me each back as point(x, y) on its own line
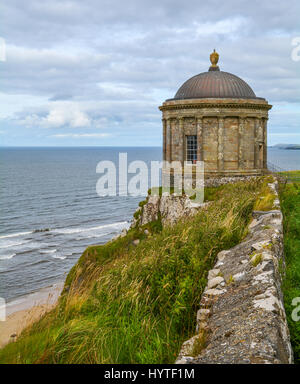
point(291, 176)
point(257, 259)
point(127, 303)
point(265, 198)
point(199, 343)
point(230, 280)
point(290, 204)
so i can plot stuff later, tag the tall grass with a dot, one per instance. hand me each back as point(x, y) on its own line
point(124, 303)
point(290, 203)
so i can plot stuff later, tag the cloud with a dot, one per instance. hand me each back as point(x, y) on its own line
point(222, 27)
point(81, 135)
point(59, 115)
point(109, 64)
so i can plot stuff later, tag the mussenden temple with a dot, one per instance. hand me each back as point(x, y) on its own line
point(215, 117)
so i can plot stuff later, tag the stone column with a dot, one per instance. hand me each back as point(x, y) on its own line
point(164, 138)
point(220, 143)
point(199, 125)
point(265, 122)
point(240, 142)
point(168, 140)
point(256, 144)
point(182, 138)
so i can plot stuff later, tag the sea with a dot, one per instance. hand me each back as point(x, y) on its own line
point(50, 210)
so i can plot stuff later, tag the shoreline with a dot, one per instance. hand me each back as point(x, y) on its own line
point(26, 310)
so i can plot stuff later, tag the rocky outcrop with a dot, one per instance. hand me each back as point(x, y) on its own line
point(170, 208)
point(241, 317)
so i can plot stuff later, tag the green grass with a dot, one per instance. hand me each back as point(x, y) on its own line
point(257, 259)
point(291, 176)
point(210, 193)
point(136, 304)
point(290, 203)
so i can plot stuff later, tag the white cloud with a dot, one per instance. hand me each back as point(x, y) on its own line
point(116, 89)
point(60, 114)
point(81, 135)
point(221, 27)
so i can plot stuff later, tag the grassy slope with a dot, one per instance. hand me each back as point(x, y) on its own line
point(137, 304)
point(290, 203)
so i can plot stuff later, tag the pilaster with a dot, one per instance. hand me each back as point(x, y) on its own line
point(221, 143)
point(199, 124)
point(240, 141)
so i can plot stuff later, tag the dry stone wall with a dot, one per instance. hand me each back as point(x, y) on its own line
point(241, 318)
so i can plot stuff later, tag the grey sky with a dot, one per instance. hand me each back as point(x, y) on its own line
point(94, 72)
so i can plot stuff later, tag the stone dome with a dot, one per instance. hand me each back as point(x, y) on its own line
point(215, 84)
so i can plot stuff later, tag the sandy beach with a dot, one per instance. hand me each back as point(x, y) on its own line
point(26, 310)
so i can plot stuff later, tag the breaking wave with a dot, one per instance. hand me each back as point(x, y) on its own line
point(67, 231)
point(59, 257)
point(47, 251)
point(8, 256)
point(15, 234)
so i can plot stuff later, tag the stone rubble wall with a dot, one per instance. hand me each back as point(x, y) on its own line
point(217, 181)
point(190, 182)
point(241, 317)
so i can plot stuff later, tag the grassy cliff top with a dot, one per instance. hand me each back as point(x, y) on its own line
point(127, 303)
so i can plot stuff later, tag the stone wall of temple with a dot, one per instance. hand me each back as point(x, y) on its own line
point(231, 134)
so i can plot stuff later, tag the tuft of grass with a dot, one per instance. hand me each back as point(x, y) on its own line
point(230, 280)
point(265, 227)
point(137, 304)
point(257, 259)
point(142, 203)
point(137, 214)
point(199, 343)
point(266, 197)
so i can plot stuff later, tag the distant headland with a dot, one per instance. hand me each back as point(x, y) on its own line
point(286, 146)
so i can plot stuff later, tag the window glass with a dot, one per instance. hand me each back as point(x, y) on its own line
point(191, 148)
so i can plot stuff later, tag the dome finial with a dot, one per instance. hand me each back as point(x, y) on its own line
point(214, 58)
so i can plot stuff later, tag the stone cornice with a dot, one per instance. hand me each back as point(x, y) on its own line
point(168, 107)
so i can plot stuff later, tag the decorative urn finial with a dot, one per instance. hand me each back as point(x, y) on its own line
point(214, 58)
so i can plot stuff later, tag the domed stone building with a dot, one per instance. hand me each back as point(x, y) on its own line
point(215, 117)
